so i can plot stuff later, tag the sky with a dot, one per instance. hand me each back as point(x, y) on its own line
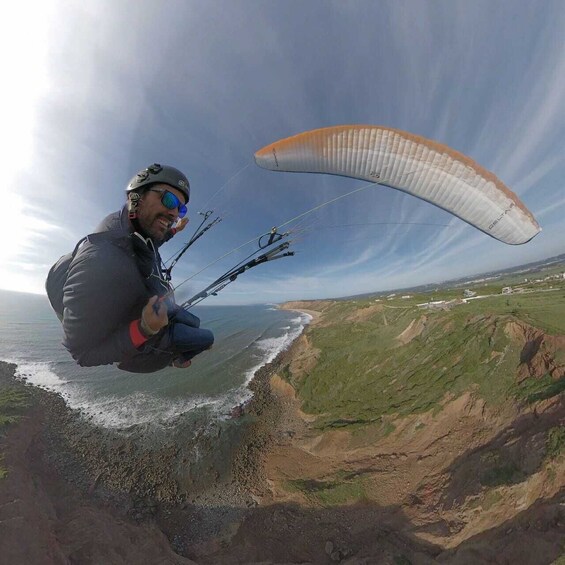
point(100, 89)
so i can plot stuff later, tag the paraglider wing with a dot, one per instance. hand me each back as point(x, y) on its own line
point(416, 165)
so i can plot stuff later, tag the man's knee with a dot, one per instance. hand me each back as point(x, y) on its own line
point(210, 339)
point(187, 318)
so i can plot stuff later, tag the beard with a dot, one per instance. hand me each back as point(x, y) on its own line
point(155, 227)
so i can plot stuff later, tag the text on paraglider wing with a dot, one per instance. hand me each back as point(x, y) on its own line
point(502, 215)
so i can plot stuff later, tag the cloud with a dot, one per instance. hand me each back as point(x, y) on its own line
point(551, 208)
point(203, 87)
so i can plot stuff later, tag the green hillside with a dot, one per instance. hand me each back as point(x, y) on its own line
point(364, 372)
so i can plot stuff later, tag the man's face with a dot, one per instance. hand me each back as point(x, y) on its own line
point(153, 217)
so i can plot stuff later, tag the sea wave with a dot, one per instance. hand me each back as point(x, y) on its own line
point(112, 411)
point(140, 408)
point(266, 351)
point(39, 374)
point(111, 399)
point(269, 348)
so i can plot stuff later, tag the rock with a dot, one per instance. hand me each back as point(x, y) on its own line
point(336, 555)
point(329, 548)
point(356, 561)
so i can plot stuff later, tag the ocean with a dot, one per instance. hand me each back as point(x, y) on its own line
point(246, 338)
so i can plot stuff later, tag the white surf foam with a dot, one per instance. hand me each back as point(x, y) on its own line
point(144, 408)
point(110, 411)
point(269, 348)
point(39, 374)
point(139, 408)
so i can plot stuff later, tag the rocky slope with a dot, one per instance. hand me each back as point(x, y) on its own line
point(46, 518)
point(473, 480)
point(467, 482)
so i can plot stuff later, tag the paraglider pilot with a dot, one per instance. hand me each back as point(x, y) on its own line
point(111, 294)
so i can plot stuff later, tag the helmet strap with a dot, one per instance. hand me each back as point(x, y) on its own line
point(133, 201)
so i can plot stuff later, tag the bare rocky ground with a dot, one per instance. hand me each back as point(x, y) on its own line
point(76, 494)
point(47, 514)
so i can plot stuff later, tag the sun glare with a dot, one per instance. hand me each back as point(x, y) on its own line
point(12, 229)
point(24, 46)
point(23, 55)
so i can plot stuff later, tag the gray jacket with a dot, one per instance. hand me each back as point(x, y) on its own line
point(110, 279)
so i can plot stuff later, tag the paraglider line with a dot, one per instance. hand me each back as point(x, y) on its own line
point(385, 224)
point(225, 184)
point(364, 187)
point(359, 189)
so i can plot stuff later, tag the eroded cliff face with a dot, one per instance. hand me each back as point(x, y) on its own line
point(465, 483)
point(541, 354)
point(476, 482)
point(316, 305)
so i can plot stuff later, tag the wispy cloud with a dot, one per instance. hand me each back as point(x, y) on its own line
point(551, 208)
point(202, 87)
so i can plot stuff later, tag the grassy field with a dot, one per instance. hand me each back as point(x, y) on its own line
point(365, 374)
point(340, 491)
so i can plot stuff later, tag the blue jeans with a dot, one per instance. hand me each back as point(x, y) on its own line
point(186, 336)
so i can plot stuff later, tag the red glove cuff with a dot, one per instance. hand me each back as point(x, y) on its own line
point(136, 335)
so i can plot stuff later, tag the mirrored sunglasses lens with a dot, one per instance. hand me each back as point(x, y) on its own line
point(169, 200)
point(182, 211)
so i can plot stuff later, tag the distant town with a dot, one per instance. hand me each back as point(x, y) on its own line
point(527, 286)
point(514, 280)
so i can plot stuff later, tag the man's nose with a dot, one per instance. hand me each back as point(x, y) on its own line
point(173, 214)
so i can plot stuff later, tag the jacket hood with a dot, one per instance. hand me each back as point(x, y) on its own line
point(118, 223)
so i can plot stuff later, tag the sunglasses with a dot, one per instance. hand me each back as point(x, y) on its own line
point(170, 201)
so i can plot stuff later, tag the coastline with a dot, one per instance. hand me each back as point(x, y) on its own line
point(314, 315)
point(314, 308)
point(252, 493)
point(266, 409)
point(115, 473)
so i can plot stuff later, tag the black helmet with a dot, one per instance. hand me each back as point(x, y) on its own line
point(160, 173)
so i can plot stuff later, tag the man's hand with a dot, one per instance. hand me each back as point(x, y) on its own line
point(154, 316)
point(181, 224)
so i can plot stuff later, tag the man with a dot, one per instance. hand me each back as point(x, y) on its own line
point(115, 303)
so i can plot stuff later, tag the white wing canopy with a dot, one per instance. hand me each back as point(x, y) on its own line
point(421, 167)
